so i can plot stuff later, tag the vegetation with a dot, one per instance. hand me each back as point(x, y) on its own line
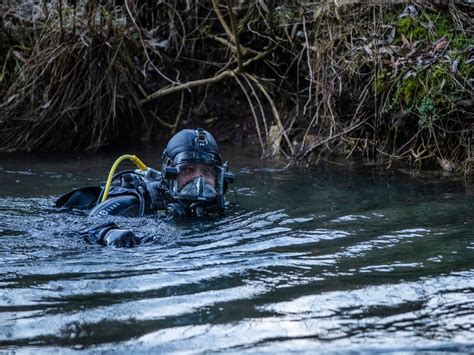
point(387, 82)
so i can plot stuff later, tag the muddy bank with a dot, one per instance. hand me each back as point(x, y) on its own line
point(390, 83)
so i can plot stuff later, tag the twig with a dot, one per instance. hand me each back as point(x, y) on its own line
point(327, 140)
point(187, 86)
point(215, 6)
point(262, 111)
point(275, 112)
point(249, 100)
point(236, 36)
point(191, 84)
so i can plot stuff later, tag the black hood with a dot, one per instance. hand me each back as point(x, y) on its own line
point(196, 141)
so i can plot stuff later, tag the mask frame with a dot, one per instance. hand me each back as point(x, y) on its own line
point(223, 177)
point(204, 151)
point(197, 188)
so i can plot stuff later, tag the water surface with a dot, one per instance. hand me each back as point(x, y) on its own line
point(339, 257)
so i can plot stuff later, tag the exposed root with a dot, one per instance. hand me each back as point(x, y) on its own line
point(389, 82)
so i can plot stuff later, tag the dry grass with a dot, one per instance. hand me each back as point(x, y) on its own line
point(388, 82)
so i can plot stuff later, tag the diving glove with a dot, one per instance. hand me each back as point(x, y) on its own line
point(110, 234)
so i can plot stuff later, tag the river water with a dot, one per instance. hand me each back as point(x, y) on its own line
point(339, 257)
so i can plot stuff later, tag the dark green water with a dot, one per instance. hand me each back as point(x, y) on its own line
point(337, 258)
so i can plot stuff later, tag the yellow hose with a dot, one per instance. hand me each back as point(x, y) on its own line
point(134, 159)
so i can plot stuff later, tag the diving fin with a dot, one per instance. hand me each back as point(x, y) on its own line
point(83, 198)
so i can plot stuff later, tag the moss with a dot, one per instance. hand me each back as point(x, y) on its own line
point(442, 25)
point(407, 91)
point(430, 26)
point(411, 29)
point(435, 89)
point(383, 81)
point(461, 41)
point(437, 72)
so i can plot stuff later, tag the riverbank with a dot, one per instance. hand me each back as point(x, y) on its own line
point(391, 83)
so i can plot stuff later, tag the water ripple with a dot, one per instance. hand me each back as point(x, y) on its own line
point(361, 274)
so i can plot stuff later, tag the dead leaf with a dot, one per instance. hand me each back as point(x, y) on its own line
point(412, 52)
point(211, 120)
point(263, 5)
point(465, 103)
point(410, 74)
point(406, 43)
point(368, 50)
point(443, 83)
point(386, 50)
point(441, 44)
point(447, 165)
point(317, 13)
point(19, 56)
point(410, 10)
point(46, 105)
point(454, 66)
point(274, 139)
point(391, 36)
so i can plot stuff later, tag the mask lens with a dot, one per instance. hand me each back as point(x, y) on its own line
point(188, 172)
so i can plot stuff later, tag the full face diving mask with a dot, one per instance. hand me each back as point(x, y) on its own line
point(197, 189)
point(195, 147)
point(201, 192)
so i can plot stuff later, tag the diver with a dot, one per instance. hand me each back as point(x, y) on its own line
point(191, 183)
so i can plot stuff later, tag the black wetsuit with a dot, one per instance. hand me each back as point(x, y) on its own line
point(131, 195)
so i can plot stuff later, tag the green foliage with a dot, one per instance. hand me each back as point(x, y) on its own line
point(426, 110)
point(406, 92)
point(461, 41)
point(428, 26)
point(432, 88)
point(411, 29)
point(383, 81)
point(440, 22)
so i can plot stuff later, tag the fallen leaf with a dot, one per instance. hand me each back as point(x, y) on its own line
point(442, 84)
point(410, 10)
point(454, 66)
point(46, 105)
point(317, 13)
point(391, 36)
point(447, 165)
point(386, 50)
point(274, 139)
point(211, 120)
point(441, 44)
point(263, 5)
point(406, 43)
point(410, 74)
point(19, 56)
point(368, 50)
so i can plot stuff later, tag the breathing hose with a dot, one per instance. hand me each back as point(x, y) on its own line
point(134, 159)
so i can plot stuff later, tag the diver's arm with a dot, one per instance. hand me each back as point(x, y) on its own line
point(110, 234)
point(123, 205)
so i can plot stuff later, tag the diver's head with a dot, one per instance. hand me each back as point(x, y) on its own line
point(193, 170)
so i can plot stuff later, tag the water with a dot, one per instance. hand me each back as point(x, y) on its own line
point(340, 257)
